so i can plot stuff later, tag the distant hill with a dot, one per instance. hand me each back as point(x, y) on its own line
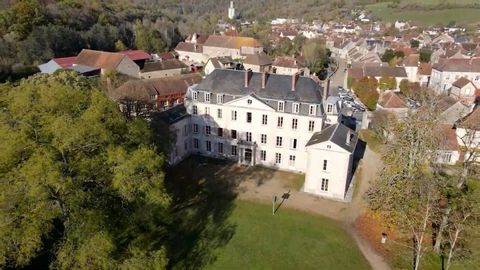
point(428, 12)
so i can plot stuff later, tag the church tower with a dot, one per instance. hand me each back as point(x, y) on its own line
point(231, 11)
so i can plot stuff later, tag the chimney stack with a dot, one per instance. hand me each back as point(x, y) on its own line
point(294, 80)
point(247, 76)
point(264, 79)
point(349, 137)
point(326, 84)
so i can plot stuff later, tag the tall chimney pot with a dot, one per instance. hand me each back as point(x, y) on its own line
point(326, 84)
point(264, 79)
point(247, 77)
point(294, 80)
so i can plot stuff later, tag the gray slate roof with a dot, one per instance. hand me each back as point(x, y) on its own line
point(174, 114)
point(278, 86)
point(336, 134)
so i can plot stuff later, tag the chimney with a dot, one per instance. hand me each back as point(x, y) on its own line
point(326, 84)
point(294, 80)
point(247, 76)
point(348, 138)
point(195, 47)
point(264, 79)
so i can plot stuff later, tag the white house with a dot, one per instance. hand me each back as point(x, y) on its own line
point(330, 160)
point(264, 119)
point(290, 65)
point(391, 102)
point(468, 135)
point(465, 90)
point(218, 62)
point(447, 71)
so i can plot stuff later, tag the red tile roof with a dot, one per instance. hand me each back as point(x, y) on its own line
point(135, 55)
point(458, 65)
point(99, 59)
point(471, 121)
point(391, 100)
point(460, 83)
point(425, 69)
point(65, 62)
point(447, 137)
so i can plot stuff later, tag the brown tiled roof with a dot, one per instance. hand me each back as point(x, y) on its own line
point(142, 90)
point(163, 65)
point(289, 62)
point(99, 59)
point(259, 59)
point(391, 100)
point(447, 137)
point(189, 47)
point(460, 83)
point(136, 54)
point(231, 42)
point(471, 121)
point(445, 103)
point(458, 65)
point(425, 69)
point(412, 60)
point(201, 38)
point(377, 71)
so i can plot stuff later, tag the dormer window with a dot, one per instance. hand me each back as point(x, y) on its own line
point(281, 106)
point(219, 99)
point(194, 95)
point(329, 108)
point(312, 110)
point(296, 108)
point(207, 97)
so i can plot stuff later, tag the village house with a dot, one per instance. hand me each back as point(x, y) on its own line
point(451, 109)
point(67, 63)
point(141, 97)
point(448, 71)
point(238, 115)
point(465, 90)
point(107, 62)
point(161, 69)
point(390, 101)
point(449, 152)
point(225, 62)
point(468, 135)
point(289, 65)
point(258, 62)
point(378, 71)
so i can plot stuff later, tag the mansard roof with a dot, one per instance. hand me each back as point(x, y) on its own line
point(336, 134)
point(277, 87)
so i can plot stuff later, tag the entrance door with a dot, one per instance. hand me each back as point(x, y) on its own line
point(248, 156)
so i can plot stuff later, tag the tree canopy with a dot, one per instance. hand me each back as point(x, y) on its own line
point(80, 182)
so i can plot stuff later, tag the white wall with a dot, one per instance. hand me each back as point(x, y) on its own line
point(339, 166)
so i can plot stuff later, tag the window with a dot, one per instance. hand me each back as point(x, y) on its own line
point(311, 110)
point(220, 132)
point(234, 134)
point(219, 99)
point(280, 122)
point(264, 119)
point(249, 117)
point(208, 130)
point(249, 101)
point(234, 115)
point(278, 158)
point(234, 150)
point(185, 145)
point(296, 108)
point(220, 147)
point(447, 157)
point(329, 108)
point(294, 123)
point(195, 128)
point(207, 110)
point(194, 109)
point(195, 143)
point(281, 106)
point(263, 155)
point(324, 184)
point(293, 143)
point(248, 136)
point(185, 130)
point(311, 125)
point(292, 160)
point(325, 164)
point(208, 145)
point(219, 113)
point(263, 138)
point(195, 95)
point(279, 141)
point(207, 97)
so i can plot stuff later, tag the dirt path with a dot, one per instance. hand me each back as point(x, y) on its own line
point(346, 213)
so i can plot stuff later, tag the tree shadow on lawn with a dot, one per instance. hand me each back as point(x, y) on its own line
point(203, 191)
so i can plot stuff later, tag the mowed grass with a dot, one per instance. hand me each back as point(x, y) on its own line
point(289, 240)
point(427, 17)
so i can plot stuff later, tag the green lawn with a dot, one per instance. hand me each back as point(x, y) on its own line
point(428, 17)
point(289, 240)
